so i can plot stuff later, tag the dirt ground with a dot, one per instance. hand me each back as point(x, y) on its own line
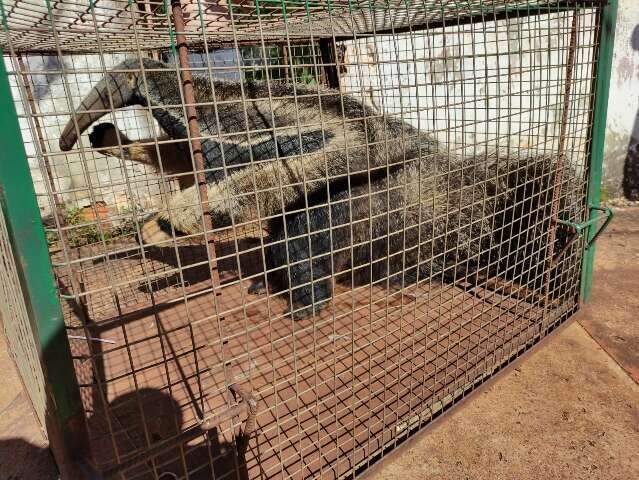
point(570, 410)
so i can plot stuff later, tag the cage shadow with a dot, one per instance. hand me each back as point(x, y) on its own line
point(22, 459)
point(142, 418)
point(145, 420)
point(192, 265)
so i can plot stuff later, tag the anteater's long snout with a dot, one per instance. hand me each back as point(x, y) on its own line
point(119, 84)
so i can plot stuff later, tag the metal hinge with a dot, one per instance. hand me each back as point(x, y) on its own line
point(580, 228)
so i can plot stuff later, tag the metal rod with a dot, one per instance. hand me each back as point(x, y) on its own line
point(249, 425)
point(606, 40)
point(194, 131)
point(561, 160)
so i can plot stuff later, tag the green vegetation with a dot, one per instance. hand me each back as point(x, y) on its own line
point(83, 232)
point(273, 58)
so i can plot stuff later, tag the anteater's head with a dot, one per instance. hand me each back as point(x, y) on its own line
point(120, 87)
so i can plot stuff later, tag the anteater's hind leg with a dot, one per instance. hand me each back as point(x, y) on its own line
point(302, 263)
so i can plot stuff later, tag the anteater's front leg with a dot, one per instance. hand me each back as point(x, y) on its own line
point(171, 157)
point(300, 263)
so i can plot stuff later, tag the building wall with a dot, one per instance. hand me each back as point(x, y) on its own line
point(81, 177)
point(78, 177)
point(621, 163)
point(444, 63)
point(483, 86)
point(457, 82)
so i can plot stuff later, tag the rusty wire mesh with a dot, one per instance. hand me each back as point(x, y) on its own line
point(500, 109)
point(17, 327)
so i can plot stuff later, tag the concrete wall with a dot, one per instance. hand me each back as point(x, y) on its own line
point(482, 86)
point(457, 82)
point(80, 177)
point(442, 67)
point(621, 164)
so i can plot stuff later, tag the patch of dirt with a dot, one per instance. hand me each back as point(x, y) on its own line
point(24, 452)
point(568, 412)
point(611, 315)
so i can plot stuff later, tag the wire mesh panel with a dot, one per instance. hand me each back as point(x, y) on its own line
point(17, 327)
point(286, 235)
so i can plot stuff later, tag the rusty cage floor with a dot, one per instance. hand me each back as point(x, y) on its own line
point(333, 390)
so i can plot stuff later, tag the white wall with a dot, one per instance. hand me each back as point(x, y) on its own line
point(622, 129)
point(80, 177)
point(438, 76)
point(458, 82)
point(77, 176)
point(483, 85)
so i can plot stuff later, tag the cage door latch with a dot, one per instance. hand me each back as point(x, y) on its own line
point(580, 228)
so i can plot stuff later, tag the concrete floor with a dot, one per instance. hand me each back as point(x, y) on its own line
point(571, 410)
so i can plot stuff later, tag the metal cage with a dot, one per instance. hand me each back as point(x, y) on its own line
point(272, 238)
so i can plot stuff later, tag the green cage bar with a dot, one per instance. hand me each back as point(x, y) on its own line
point(607, 21)
point(63, 416)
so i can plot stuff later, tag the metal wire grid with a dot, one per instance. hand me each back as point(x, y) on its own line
point(335, 391)
point(32, 22)
point(17, 327)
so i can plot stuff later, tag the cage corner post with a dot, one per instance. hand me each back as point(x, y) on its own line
point(64, 419)
point(603, 70)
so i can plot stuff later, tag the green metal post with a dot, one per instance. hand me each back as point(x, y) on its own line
point(64, 423)
point(607, 21)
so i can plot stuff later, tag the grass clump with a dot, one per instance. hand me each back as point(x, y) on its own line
point(81, 231)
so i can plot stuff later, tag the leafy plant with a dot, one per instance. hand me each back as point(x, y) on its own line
point(83, 232)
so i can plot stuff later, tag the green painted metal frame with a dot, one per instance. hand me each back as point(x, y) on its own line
point(584, 227)
point(607, 22)
point(19, 205)
point(26, 234)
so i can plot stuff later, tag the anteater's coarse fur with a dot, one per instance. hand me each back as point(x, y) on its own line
point(401, 208)
point(265, 145)
point(449, 218)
